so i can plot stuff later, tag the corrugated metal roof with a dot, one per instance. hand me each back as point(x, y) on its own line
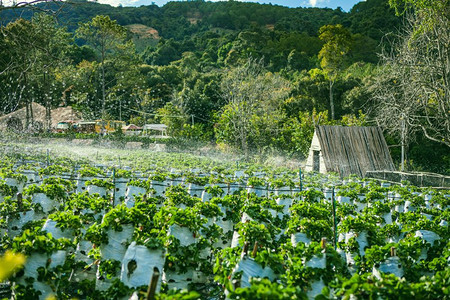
point(354, 150)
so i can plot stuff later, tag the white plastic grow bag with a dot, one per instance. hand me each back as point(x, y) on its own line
point(133, 191)
point(428, 236)
point(360, 205)
point(183, 234)
point(120, 187)
point(15, 224)
point(315, 289)
point(195, 190)
point(260, 191)
point(361, 238)
point(46, 203)
point(319, 262)
point(176, 280)
point(81, 255)
point(299, 237)
point(33, 262)
point(51, 227)
point(58, 258)
point(14, 182)
point(143, 261)
point(117, 241)
point(46, 291)
point(286, 202)
point(206, 197)
point(390, 266)
point(387, 217)
point(235, 240)
point(251, 269)
point(81, 183)
point(284, 190)
point(344, 200)
point(93, 189)
point(159, 187)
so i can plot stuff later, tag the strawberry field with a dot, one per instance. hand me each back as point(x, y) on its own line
point(199, 228)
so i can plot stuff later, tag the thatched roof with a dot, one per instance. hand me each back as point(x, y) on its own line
point(57, 115)
point(354, 150)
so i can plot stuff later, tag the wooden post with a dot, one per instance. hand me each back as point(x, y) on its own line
point(393, 251)
point(19, 201)
point(48, 159)
point(255, 249)
point(152, 285)
point(245, 248)
point(323, 243)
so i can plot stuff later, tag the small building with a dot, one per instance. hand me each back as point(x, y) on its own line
point(348, 150)
point(131, 130)
point(155, 130)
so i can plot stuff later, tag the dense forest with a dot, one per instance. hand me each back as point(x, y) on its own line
point(249, 77)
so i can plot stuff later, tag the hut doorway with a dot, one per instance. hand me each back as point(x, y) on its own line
point(316, 161)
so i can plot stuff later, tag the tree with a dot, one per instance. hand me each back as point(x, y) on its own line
point(252, 114)
point(105, 35)
point(413, 93)
point(31, 52)
point(332, 55)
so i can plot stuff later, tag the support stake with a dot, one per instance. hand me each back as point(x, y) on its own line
point(334, 218)
point(151, 292)
point(48, 158)
point(255, 249)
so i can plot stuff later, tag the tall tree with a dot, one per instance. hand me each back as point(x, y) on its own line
point(333, 53)
point(252, 114)
point(417, 80)
point(105, 35)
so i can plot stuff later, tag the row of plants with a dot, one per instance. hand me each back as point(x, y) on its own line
point(220, 245)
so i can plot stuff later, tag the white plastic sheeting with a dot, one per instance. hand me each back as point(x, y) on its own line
point(159, 187)
point(176, 280)
point(428, 236)
point(46, 203)
point(143, 262)
point(183, 234)
point(93, 189)
point(319, 262)
point(361, 238)
point(299, 237)
point(33, 262)
point(390, 266)
point(14, 182)
point(81, 255)
point(58, 258)
point(15, 224)
point(51, 227)
point(117, 241)
point(133, 191)
point(81, 183)
point(286, 202)
point(251, 269)
point(315, 289)
point(195, 189)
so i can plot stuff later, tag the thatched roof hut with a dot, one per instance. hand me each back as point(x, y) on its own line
point(348, 150)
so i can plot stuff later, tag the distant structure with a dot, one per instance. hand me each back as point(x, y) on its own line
point(155, 130)
point(348, 150)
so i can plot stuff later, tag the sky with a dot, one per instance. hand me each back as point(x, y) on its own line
point(346, 5)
